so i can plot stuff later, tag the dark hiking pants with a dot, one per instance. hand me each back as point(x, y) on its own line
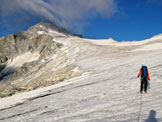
point(144, 84)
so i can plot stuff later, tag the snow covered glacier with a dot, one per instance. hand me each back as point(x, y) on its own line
point(107, 90)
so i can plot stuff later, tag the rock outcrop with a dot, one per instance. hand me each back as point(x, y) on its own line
point(26, 59)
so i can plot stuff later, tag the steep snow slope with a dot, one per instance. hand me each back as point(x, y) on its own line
point(108, 91)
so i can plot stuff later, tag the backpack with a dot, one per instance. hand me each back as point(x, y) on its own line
point(144, 72)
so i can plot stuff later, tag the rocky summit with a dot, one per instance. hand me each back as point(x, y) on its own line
point(59, 77)
point(33, 59)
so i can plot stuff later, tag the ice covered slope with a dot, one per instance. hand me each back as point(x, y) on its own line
point(108, 91)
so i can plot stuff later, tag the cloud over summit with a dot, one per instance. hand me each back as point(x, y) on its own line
point(62, 12)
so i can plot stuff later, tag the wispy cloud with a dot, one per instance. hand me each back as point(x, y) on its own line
point(62, 12)
point(158, 2)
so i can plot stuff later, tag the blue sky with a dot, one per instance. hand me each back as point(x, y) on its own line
point(123, 20)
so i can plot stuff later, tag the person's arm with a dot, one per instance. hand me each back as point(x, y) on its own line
point(139, 74)
point(148, 74)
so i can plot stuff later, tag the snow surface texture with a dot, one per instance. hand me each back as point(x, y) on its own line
point(108, 91)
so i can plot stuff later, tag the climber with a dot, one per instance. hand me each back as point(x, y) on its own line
point(145, 78)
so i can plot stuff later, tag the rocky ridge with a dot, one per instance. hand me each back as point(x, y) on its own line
point(32, 59)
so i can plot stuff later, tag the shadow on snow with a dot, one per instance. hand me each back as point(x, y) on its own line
point(152, 117)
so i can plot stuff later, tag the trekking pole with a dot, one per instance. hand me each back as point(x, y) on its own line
point(148, 84)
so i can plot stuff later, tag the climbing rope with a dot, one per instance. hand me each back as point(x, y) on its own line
point(139, 114)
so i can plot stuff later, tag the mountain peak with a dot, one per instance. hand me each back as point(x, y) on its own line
point(48, 26)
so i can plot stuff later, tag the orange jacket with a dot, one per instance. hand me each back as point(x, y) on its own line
point(139, 74)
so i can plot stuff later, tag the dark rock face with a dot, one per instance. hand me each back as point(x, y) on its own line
point(3, 59)
point(16, 44)
point(19, 44)
point(28, 59)
point(78, 35)
point(29, 41)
